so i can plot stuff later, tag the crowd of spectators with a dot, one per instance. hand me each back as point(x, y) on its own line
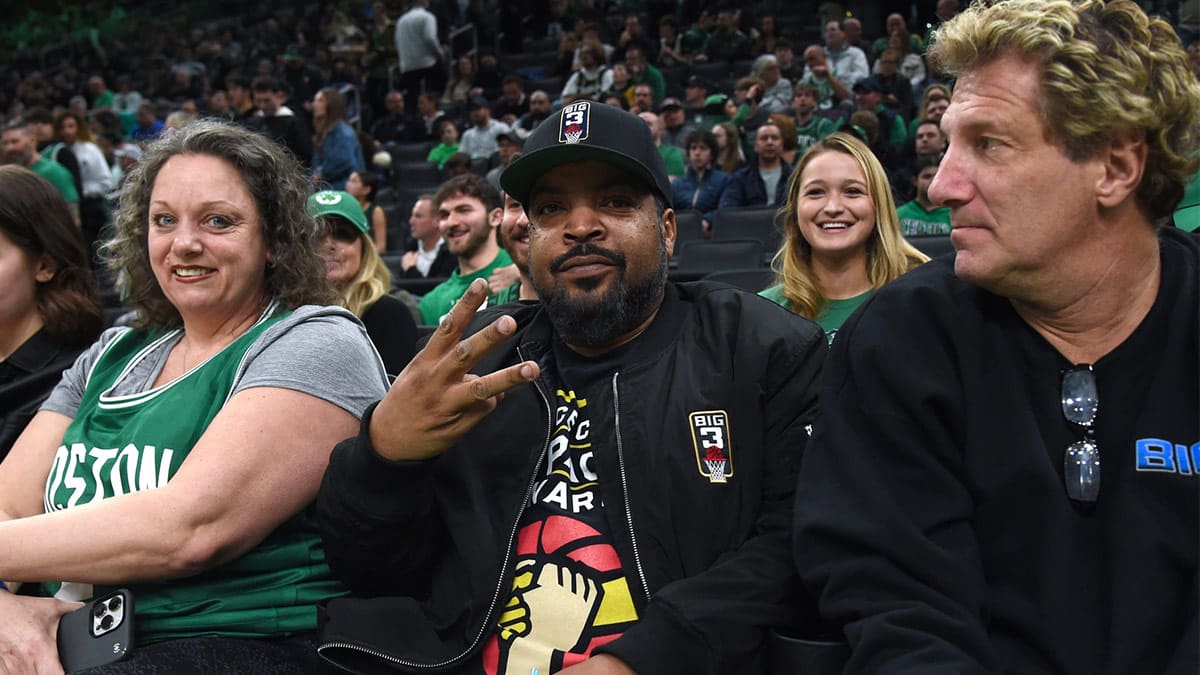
point(339, 83)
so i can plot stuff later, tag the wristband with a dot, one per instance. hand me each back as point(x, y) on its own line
point(4, 586)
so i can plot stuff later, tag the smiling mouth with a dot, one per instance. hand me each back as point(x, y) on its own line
point(835, 226)
point(188, 272)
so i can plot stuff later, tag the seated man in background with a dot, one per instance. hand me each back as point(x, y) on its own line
point(763, 182)
point(921, 217)
point(468, 212)
point(1004, 478)
point(609, 490)
point(426, 254)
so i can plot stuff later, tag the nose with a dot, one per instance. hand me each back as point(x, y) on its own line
point(833, 202)
point(582, 225)
point(950, 186)
point(186, 243)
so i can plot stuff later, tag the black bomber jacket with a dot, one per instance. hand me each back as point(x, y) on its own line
point(426, 547)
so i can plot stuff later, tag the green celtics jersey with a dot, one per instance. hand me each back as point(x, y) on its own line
point(116, 445)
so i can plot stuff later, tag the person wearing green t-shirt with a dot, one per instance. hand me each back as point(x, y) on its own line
point(20, 148)
point(921, 217)
point(514, 238)
point(672, 156)
point(841, 234)
point(449, 145)
point(1187, 216)
point(468, 211)
point(810, 127)
point(102, 96)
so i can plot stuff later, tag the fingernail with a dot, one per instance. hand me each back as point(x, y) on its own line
point(527, 371)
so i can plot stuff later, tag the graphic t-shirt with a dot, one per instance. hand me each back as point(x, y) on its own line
point(812, 131)
point(570, 592)
point(917, 221)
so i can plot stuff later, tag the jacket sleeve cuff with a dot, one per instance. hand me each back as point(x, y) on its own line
point(403, 483)
point(662, 643)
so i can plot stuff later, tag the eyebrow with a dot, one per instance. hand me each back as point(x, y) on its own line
point(823, 182)
point(212, 203)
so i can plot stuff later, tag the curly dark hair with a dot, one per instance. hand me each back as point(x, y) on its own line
point(278, 185)
point(35, 218)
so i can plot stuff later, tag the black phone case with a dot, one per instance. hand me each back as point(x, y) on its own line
point(79, 648)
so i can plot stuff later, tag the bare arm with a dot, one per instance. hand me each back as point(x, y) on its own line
point(23, 473)
point(379, 227)
point(259, 462)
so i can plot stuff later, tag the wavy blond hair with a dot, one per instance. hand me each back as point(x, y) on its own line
point(1107, 70)
point(888, 254)
point(372, 282)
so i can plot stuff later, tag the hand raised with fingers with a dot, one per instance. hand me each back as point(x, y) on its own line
point(436, 400)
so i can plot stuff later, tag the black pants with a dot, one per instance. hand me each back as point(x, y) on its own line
point(412, 83)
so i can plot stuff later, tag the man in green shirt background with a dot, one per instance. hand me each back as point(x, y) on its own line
point(921, 216)
point(672, 156)
point(20, 147)
point(469, 211)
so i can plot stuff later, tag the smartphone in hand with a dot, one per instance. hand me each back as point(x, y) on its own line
point(98, 633)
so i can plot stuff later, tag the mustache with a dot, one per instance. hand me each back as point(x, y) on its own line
point(586, 249)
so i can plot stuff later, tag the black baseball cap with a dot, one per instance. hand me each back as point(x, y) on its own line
point(587, 130)
point(869, 84)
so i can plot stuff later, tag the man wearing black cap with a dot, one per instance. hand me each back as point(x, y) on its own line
point(676, 128)
point(480, 141)
point(508, 148)
point(868, 94)
point(695, 97)
point(599, 483)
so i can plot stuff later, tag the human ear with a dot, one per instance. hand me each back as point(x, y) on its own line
point(1124, 163)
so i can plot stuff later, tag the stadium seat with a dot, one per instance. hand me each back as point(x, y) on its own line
point(551, 85)
point(687, 227)
point(933, 245)
point(748, 223)
point(701, 257)
point(410, 174)
point(753, 279)
point(713, 70)
point(405, 153)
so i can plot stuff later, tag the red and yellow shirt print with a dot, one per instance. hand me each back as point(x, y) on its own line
point(569, 592)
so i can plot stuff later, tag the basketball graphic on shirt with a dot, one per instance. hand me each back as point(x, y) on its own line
point(569, 595)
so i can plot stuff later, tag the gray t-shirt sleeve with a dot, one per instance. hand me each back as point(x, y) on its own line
point(322, 351)
point(68, 392)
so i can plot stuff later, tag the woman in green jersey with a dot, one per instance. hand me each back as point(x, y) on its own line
point(178, 458)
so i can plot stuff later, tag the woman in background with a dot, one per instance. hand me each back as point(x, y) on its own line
point(730, 156)
point(357, 272)
point(842, 236)
point(94, 173)
point(462, 80)
point(336, 151)
point(363, 185)
point(49, 308)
